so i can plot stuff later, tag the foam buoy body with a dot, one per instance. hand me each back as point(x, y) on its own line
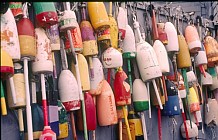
point(83, 71)
point(113, 31)
point(90, 113)
point(211, 117)
point(106, 109)
point(26, 34)
point(98, 75)
point(88, 39)
point(183, 57)
point(19, 87)
point(162, 56)
point(206, 80)
point(121, 89)
point(98, 15)
point(9, 35)
point(77, 40)
point(150, 69)
point(173, 45)
point(53, 34)
point(68, 90)
point(122, 22)
point(192, 38)
point(68, 20)
point(193, 100)
point(43, 60)
point(7, 66)
point(191, 77)
point(129, 41)
point(172, 106)
point(211, 47)
point(192, 131)
point(200, 58)
point(140, 96)
point(46, 14)
point(112, 58)
point(162, 34)
point(16, 9)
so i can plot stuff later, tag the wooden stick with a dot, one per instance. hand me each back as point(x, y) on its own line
point(127, 123)
point(3, 103)
point(73, 125)
point(149, 99)
point(157, 94)
point(144, 126)
point(159, 123)
point(13, 92)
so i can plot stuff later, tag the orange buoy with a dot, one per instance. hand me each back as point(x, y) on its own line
point(211, 47)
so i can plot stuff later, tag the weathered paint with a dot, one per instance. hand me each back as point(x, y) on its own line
point(162, 34)
point(9, 35)
point(16, 9)
point(68, 90)
point(7, 66)
point(129, 41)
point(211, 47)
point(68, 20)
point(193, 100)
point(43, 60)
point(122, 22)
point(106, 109)
point(53, 35)
point(113, 31)
point(192, 38)
point(26, 34)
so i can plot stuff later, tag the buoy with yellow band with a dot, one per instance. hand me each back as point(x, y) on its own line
point(46, 14)
point(193, 100)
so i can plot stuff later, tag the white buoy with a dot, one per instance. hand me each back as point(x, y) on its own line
point(129, 41)
point(122, 22)
point(192, 131)
point(173, 44)
point(206, 80)
point(191, 77)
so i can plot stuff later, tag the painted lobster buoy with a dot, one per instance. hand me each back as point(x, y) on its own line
point(112, 58)
point(16, 9)
point(192, 131)
point(140, 96)
point(161, 33)
point(91, 119)
point(68, 90)
point(173, 45)
point(128, 46)
point(46, 14)
point(63, 121)
point(191, 77)
point(77, 40)
point(162, 56)
point(211, 117)
point(98, 75)
point(7, 66)
point(106, 109)
point(26, 35)
point(193, 100)
point(4, 7)
point(134, 119)
point(183, 57)
point(53, 35)
point(200, 60)
point(211, 47)
point(43, 61)
point(90, 47)
point(83, 71)
point(172, 106)
point(9, 35)
point(206, 80)
point(122, 22)
point(19, 87)
point(98, 16)
point(104, 38)
point(192, 38)
point(113, 28)
point(121, 89)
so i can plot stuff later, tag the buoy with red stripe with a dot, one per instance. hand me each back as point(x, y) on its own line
point(26, 34)
point(145, 53)
point(7, 70)
point(192, 39)
point(141, 101)
point(200, 60)
point(43, 65)
point(106, 108)
point(16, 9)
point(173, 45)
point(46, 14)
point(211, 47)
point(98, 16)
point(122, 20)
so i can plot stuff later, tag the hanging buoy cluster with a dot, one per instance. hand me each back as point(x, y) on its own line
point(174, 72)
